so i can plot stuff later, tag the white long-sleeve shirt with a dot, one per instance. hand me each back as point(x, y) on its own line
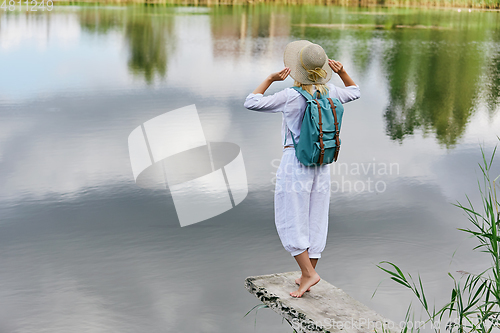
point(293, 105)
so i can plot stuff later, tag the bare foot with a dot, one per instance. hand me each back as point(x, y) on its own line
point(305, 283)
point(297, 281)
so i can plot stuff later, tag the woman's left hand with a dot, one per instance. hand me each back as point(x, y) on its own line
point(336, 66)
point(280, 76)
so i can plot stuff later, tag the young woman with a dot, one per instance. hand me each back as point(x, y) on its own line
point(302, 195)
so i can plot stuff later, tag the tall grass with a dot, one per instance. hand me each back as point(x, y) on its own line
point(474, 304)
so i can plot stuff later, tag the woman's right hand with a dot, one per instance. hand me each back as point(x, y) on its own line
point(280, 76)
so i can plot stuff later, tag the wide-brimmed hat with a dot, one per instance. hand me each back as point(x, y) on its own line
point(308, 62)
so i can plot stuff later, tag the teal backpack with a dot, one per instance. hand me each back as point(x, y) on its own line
point(319, 135)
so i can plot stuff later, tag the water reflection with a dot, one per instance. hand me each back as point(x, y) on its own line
point(433, 65)
point(234, 29)
point(101, 21)
point(434, 62)
point(433, 83)
point(150, 39)
point(149, 34)
point(492, 77)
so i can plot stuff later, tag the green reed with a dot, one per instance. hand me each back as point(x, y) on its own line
point(479, 4)
point(474, 305)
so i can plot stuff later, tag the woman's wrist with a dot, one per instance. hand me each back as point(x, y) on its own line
point(346, 78)
point(261, 89)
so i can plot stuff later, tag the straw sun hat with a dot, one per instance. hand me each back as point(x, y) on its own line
point(308, 62)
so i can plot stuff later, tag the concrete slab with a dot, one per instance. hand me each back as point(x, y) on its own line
point(325, 308)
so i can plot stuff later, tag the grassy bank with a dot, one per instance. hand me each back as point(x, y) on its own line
point(436, 4)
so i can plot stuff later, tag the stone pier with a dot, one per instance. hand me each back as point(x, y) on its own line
point(325, 308)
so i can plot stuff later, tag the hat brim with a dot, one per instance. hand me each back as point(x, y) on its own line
point(291, 58)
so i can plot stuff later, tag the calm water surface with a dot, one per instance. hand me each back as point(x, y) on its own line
point(83, 249)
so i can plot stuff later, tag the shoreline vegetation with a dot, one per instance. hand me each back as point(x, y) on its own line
point(474, 304)
point(467, 5)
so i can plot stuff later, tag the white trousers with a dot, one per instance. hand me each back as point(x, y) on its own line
point(301, 204)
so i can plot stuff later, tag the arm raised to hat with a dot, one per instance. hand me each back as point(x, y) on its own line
point(278, 76)
point(338, 68)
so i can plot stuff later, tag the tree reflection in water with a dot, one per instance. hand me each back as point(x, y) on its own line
point(148, 32)
point(150, 39)
point(439, 66)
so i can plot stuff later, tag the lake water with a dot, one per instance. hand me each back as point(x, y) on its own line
point(84, 249)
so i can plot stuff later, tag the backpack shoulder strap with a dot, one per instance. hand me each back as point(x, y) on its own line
point(337, 130)
point(321, 143)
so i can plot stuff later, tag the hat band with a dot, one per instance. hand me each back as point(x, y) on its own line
point(313, 74)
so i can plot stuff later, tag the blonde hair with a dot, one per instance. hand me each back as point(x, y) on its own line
point(323, 89)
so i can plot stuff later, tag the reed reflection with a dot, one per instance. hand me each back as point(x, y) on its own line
point(238, 29)
point(96, 20)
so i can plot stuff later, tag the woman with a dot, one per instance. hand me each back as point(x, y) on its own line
point(302, 195)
